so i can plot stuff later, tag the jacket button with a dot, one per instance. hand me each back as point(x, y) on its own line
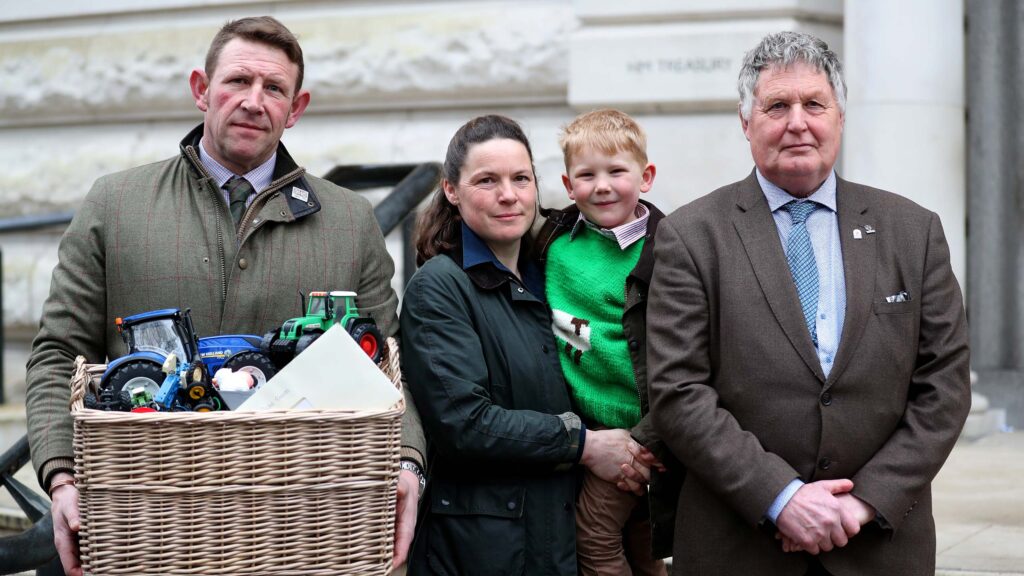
point(445, 502)
point(520, 289)
point(826, 399)
point(633, 344)
point(824, 463)
point(545, 348)
point(243, 263)
point(511, 505)
point(567, 507)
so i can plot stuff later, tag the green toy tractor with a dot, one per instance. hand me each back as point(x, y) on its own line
point(323, 311)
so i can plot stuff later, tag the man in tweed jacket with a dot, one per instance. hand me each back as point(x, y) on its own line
point(170, 235)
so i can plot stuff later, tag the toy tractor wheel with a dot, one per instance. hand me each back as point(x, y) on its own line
point(256, 364)
point(196, 391)
point(91, 401)
point(305, 340)
point(207, 405)
point(126, 399)
point(129, 375)
point(368, 337)
point(267, 343)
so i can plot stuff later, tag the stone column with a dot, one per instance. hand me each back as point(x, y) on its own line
point(995, 130)
point(905, 118)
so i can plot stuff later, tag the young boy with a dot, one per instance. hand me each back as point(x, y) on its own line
point(599, 255)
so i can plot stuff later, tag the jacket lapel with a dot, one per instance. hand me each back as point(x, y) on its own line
point(760, 238)
point(859, 265)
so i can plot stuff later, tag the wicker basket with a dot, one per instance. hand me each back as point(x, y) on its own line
point(279, 492)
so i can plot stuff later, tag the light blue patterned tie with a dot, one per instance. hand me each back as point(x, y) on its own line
point(800, 255)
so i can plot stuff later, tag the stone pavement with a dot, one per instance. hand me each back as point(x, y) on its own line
point(979, 508)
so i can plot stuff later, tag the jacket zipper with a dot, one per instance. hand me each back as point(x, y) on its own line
point(220, 233)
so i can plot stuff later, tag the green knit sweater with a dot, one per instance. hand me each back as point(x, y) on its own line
point(586, 288)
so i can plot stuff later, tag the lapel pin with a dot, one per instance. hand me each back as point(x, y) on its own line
point(868, 229)
point(856, 234)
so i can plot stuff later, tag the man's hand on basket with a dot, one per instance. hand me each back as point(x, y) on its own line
point(65, 522)
point(405, 519)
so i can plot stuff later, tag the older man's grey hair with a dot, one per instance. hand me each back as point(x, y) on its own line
point(784, 49)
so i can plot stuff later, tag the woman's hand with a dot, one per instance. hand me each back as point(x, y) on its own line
point(613, 456)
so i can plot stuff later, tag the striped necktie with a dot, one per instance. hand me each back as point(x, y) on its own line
point(800, 255)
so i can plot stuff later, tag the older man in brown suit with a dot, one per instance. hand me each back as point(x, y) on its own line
point(231, 227)
point(807, 348)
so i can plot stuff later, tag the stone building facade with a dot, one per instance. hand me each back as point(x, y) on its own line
point(93, 87)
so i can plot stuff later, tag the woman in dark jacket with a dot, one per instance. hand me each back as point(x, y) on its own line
point(479, 357)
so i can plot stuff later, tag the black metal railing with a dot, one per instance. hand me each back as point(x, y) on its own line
point(33, 549)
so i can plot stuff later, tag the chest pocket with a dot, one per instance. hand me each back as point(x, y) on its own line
point(476, 529)
point(895, 307)
point(498, 500)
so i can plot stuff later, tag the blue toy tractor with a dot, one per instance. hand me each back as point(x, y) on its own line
point(166, 364)
point(238, 352)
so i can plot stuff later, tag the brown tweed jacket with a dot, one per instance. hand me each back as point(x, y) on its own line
point(161, 236)
point(737, 392)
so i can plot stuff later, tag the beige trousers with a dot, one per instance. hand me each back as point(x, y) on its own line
point(613, 532)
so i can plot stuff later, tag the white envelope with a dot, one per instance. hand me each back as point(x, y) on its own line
point(332, 374)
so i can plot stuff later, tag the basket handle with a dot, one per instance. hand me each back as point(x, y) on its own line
point(389, 364)
point(78, 380)
point(81, 378)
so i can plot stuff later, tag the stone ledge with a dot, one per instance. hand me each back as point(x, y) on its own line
point(367, 59)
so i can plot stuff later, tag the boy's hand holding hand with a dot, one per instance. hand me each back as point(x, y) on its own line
point(613, 456)
point(606, 452)
point(636, 474)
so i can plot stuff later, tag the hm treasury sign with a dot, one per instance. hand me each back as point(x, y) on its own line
point(668, 67)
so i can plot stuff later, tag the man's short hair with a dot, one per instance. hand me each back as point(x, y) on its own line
point(784, 49)
point(608, 131)
point(263, 29)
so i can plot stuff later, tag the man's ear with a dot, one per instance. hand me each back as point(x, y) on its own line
point(200, 85)
point(647, 178)
point(568, 186)
point(743, 121)
point(299, 104)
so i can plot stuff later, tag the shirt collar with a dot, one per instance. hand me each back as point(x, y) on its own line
point(475, 252)
point(777, 197)
point(625, 235)
point(260, 176)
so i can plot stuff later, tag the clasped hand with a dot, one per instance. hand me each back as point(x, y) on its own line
point(613, 456)
point(821, 516)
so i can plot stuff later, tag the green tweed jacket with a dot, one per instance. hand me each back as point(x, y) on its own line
point(161, 236)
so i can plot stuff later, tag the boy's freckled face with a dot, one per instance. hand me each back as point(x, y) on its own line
point(606, 188)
